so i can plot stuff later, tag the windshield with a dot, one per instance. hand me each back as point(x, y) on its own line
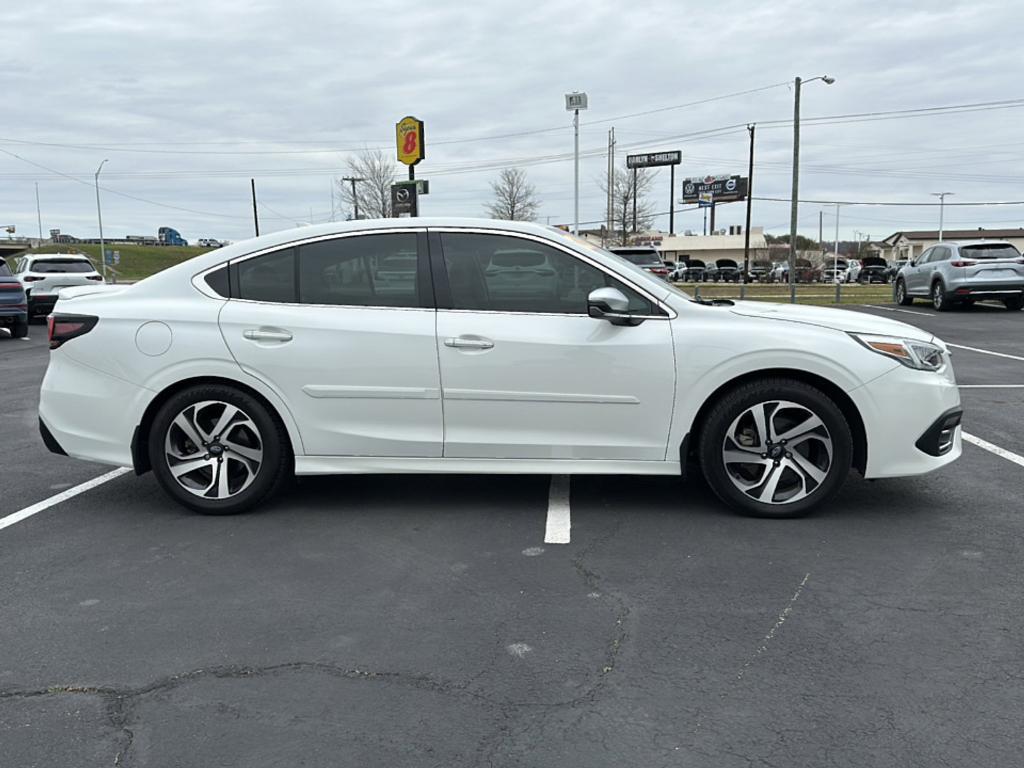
point(60, 265)
point(994, 251)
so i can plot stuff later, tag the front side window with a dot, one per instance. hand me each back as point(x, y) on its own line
point(503, 273)
point(363, 270)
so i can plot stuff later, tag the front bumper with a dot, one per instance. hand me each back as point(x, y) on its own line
point(904, 412)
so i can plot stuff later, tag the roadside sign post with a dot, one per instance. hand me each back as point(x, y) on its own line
point(574, 102)
point(412, 149)
point(655, 160)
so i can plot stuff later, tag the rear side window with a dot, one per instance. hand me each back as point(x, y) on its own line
point(362, 271)
point(218, 282)
point(270, 277)
point(1002, 251)
point(58, 266)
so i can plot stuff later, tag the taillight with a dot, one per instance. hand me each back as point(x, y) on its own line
point(962, 263)
point(32, 278)
point(66, 327)
point(93, 277)
point(10, 286)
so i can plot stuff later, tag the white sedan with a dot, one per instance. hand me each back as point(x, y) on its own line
point(302, 351)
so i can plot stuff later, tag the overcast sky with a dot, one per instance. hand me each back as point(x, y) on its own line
point(189, 99)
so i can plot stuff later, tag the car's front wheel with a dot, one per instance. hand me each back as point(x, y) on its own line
point(218, 450)
point(1014, 304)
point(775, 448)
point(902, 297)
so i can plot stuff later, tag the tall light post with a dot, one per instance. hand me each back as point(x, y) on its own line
point(942, 205)
point(99, 216)
point(353, 180)
point(574, 102)
point(793, 206)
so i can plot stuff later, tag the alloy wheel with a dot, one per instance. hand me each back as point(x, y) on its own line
point(213, 449)
point(777, 452)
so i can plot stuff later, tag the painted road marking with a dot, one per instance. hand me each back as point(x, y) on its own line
point(17, 517)
point(986, 352)
point(1002, 452)
point(559, 521)
point(894, 309)
point(991, 386)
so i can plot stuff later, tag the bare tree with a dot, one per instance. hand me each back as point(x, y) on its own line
point(376, 173)
point(515, 199)
point(622, 202)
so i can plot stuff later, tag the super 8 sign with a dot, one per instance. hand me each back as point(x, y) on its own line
point(409, 137)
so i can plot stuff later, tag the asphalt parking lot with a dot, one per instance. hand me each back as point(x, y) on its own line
point(423, 621)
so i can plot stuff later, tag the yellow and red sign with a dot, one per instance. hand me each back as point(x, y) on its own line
point(409, 136)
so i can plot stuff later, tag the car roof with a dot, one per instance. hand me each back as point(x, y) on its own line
point(963, 243)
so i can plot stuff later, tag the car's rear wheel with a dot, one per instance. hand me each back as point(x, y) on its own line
point(939, 300)
point(1014, 304)
point(902, 297)
point(775, 448)
point(218, 450)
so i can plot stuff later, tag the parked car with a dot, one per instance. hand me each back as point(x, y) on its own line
point(644, 256)
point(805, 271)
point(13, 304)
point(834, 270)
point(759, 271)
point(963, 272)
point(894, 269)
point(44, 275)
point(779, 272)
point(696, 270)
point(724, 271)
point(873, 269)
point(226, 373)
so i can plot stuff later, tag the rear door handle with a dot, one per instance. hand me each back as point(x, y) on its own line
point(461, 342)
point(267, 334)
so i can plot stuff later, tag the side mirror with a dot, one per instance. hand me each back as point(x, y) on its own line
point(612, 305)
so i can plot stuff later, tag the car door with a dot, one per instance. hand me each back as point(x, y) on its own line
point(915, 273)
point(342, 328)
point(528, 374)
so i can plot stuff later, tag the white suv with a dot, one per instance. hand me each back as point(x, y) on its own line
point(44, 275)
point(226, 373)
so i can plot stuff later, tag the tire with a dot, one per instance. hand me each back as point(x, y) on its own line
point(798, 487)
point(256, 451)
point(939, 300)
point(903, 298)
point(1015, 304)
point(19, 330)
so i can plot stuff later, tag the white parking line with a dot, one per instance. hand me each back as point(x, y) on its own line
point(894, 309)
point(559, 522)
point(1001, 452)
point(986, 352)
point(17, 517)
point(991, 386)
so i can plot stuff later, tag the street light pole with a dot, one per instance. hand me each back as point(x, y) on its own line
point(574, 102)
point(99, 216)
point(793, 205)
point(942, 205)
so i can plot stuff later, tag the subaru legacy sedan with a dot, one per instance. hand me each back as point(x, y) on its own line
point(297, 352)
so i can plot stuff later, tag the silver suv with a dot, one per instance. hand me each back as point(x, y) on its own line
point(962, 273)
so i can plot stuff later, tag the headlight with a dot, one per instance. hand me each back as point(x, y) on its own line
point(914, 354)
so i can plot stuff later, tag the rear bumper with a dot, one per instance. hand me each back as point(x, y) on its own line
point(987, 290)
point(11, 315)
point(41, 305)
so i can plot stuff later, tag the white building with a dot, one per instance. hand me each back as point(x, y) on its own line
point(910, 245)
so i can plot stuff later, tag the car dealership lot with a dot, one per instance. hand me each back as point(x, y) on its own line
point(423, 620)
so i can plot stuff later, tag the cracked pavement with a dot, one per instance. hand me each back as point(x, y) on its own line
point(398, 621)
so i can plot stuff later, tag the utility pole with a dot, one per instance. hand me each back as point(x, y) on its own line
point(255, 216)
point(39, 215)
point(821, 238)
point(750, 200)
point(942, 204)
point(611, 182)
point(672, 200)
point(353, 180)
point(99, 216)
point(835, 257)
point(634, 201)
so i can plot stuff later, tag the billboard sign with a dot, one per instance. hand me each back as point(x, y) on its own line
point(409, 137)
point(654, 159)
point(723, 189)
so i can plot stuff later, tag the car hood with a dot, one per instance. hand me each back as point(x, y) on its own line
point(825, 317)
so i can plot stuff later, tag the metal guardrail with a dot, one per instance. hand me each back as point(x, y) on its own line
point(821, 292)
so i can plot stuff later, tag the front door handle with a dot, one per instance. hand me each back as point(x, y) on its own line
point(267, 334)
point(462, 342)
